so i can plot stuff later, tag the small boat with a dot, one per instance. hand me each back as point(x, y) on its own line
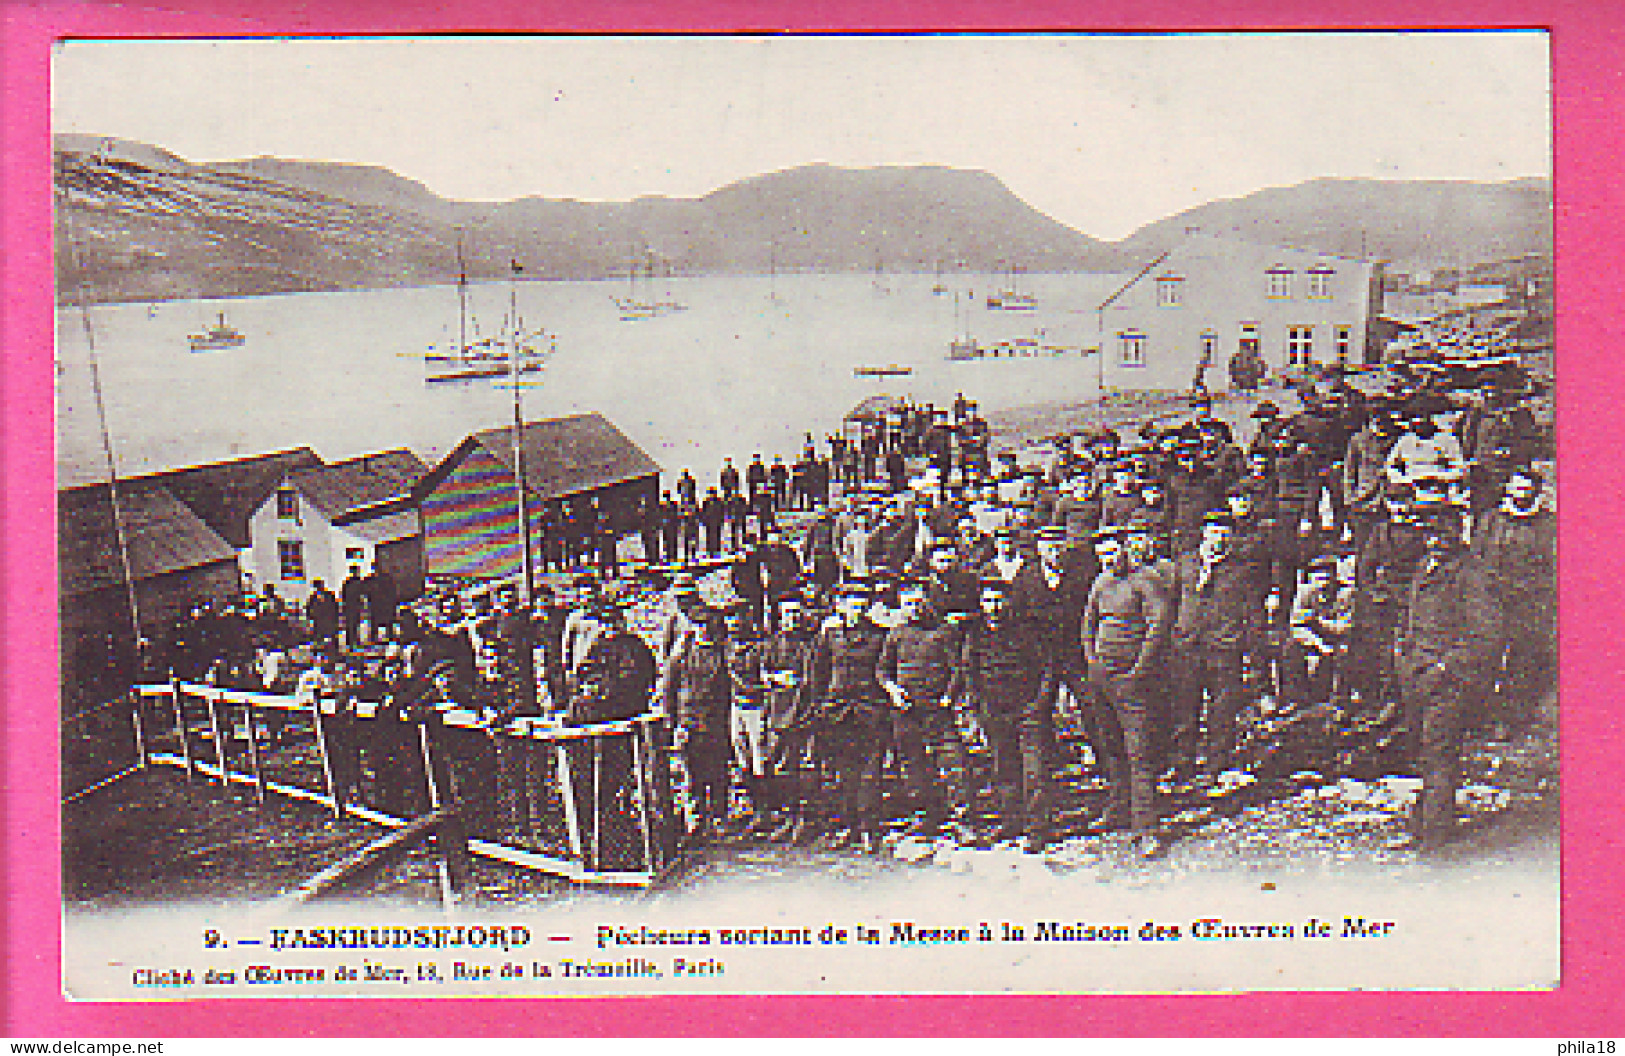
point(514, 350)
point(634, 308)
point(894, 370)
point(963, 346)
point(221, 335)
point(1011, 301)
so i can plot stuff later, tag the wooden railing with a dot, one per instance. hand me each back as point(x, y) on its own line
point(589, 804)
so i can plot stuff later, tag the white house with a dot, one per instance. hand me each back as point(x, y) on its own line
point(319, 522)
point(1210, 298)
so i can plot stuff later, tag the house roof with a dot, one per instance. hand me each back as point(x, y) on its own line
point(347, 489)
point(1233, 239)
point(386, 529)
point(563, 456)
point(225, 494)
point(161, 534)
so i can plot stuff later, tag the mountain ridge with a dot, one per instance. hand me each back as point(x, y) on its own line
point(143, 224)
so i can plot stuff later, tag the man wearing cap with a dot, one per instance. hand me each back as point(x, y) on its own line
point(1382, 575)
point(713, 511)
point(1365, 471)
point(1270, 426)
point(1321, 617)
point(616, 674)
point(1517, 542)
point(851, 708)
point(1216, 596)
point(1004, 673)
point(916, 670)
point(696, 691)
point(786, 668)
point(1448, 649)
point(1125, 622)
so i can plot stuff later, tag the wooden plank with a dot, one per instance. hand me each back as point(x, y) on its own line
point(180, 726)
point(254, 754)
point(212, 700)
point(373, 856)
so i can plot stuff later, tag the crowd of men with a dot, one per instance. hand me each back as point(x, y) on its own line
point(905, 629)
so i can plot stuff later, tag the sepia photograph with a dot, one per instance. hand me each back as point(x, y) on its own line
point(1018, 513)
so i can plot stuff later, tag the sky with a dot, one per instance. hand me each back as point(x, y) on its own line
point(1104, 133)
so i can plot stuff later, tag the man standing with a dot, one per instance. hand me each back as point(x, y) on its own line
point(851, 708)
point(1218, 621)
point(786, 667)
point(1003, 670)
point(1124, 624)
point(696, 694)
point(322, 611)
point(711, 515)
point(1517, 542)
point(353, 602)
point(916, 670)
point(1448, 647)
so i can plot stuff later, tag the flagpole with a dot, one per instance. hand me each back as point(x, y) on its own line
point(526, 566)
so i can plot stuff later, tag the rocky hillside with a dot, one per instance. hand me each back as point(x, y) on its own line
point(137, 223)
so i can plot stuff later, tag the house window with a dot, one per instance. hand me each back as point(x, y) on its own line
point(1131, 349)
point(355, 553)
point(1210, 347)
point(1345, 342)
point(287, 504)
point(290, 558)
point(1300, 346)
point(1249, 338)
point(1170, 291)
point(1280, 282)
point(1320, 282)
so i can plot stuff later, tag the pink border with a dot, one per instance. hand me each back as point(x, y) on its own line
point(1589, 128)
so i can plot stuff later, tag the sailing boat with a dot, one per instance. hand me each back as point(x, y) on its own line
point(939, 287)
point(512, 349)
point(222, 335)
point(633, 308)
point(963, 346)
point(1012, 299)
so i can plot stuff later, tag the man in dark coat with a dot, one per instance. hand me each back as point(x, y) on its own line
point(712, 513)
point(382, 602)
point(1218, 620)
point(916, 669)
point(1517, 542)
point(1124, 627)
point(1004, 671)
point(353, 602)
point(322, 612)
point(851, 710)
point(697, 694)
point(1448, 648)
point(786, 667)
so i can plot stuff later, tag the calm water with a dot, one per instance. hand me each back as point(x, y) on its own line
point(751, 366)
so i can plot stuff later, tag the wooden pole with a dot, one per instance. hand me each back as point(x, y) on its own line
point(180, 725)
point(572, 818)
point(449, 895)
point(327, 759)
point(644, 814)
point(213, 701)
point(597, 801)
point(140, 738)
point(254, 754)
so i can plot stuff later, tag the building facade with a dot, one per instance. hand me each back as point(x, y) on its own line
point(319, 522)
point(470, 500)
point(1209, 299)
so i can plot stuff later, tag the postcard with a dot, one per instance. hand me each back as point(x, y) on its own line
point(960, 513)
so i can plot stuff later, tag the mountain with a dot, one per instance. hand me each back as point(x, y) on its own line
point(1413, 223)
point(136, 222)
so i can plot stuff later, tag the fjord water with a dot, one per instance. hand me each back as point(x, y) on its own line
point(753, 364)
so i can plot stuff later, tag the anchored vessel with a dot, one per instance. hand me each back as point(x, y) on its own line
point(220, 336)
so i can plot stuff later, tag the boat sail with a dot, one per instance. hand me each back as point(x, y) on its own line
point(222, 335)
point(963, 346)
point(513, 349)
point(1011, 299)
point(634, 308)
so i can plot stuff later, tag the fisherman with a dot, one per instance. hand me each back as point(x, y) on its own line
point(1124, 625)
point(353, 601)
point(916, 669)
point(696, 695)
point(851, 710)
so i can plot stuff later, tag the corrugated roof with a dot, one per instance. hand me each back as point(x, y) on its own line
point(564, 456)
point(371, 480)
point(161, 533)
point(874, 408)
point(386, 529)
point(225, 494)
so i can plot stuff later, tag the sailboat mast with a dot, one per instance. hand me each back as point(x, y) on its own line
point(526, 569)
point(462, 300)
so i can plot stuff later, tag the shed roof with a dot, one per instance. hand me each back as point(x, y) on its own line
point(386, 529)
point(161, 533)
point(563, 456)
point(348, 489)
point(874, 408)
point(226, 494)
